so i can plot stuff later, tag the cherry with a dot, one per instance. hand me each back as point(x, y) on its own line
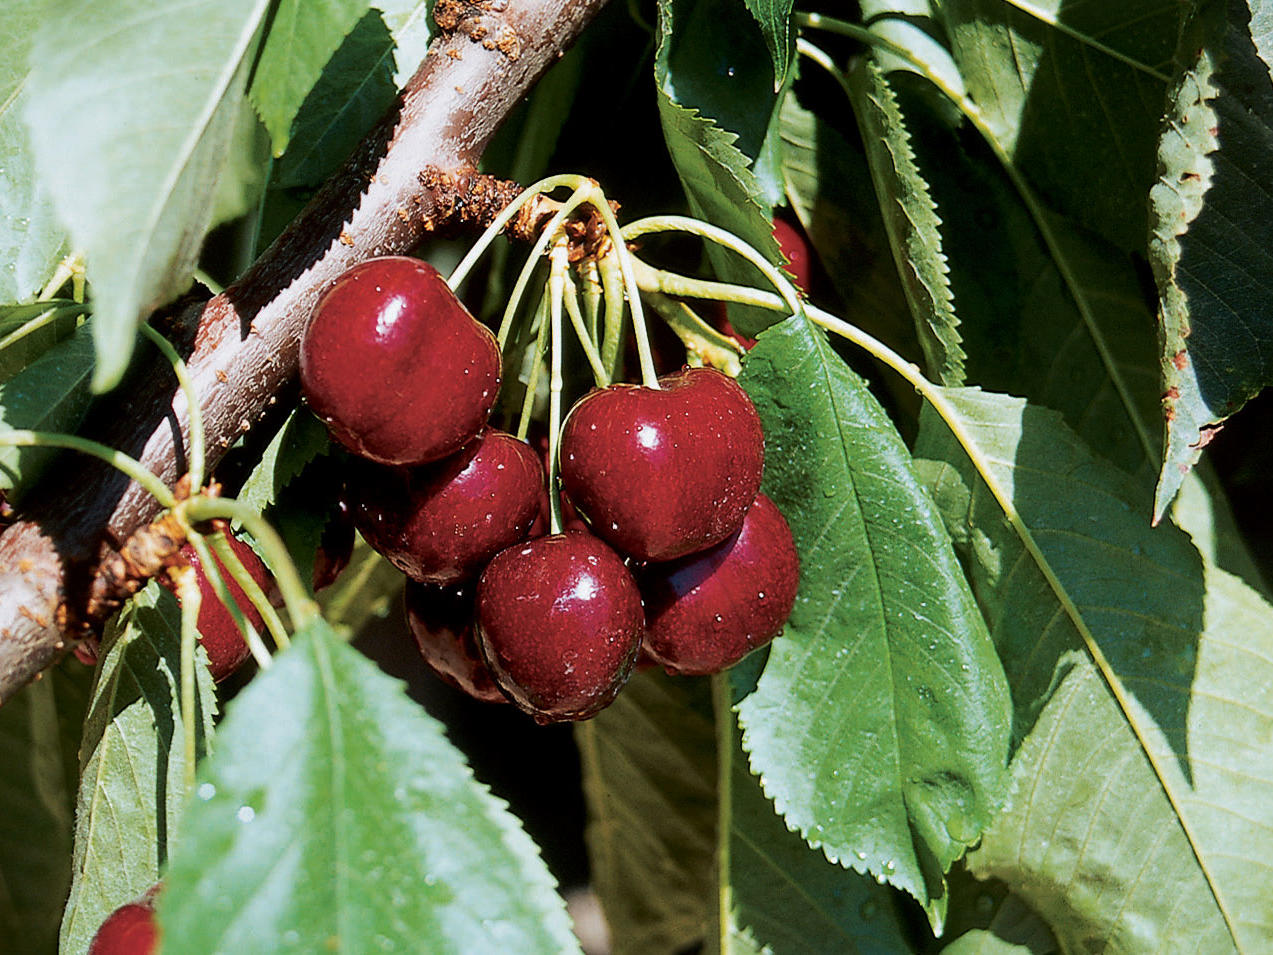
point(796, 249)
point(395, 366)
point(219, 636)
point(559, 624)
point(661, 473)
point(441, 620)
point(335, 546)
point(440, 523)
point(129, 930)
point(707, 611)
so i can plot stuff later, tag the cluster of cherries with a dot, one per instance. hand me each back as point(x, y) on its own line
point(680, 553)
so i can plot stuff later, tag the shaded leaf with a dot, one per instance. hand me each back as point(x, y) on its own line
point(1135, 673)
point(132, 789)
point(31, 238)
point(334, 814)
point(302, 36)
point(370, 587)
point(299, 441)
point(129, 135)
point(649, 763)
point(39, 736)
point(28, 331)
point(1212, 229)
point(774, 17)
point(50, 394)
point(880, 725)
point(1073, 93)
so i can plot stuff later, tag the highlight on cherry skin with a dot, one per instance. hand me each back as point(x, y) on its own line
point(395, 365)
point(661, 473)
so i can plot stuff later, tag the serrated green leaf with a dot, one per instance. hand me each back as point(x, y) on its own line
point(911, 219)
point(1073, 93)
point(334, 815)
point(303, 35)
point(774, 17)
point(28, 331)
point(1210, 242)
point(31, 239)
point(39, 736)
point(300, 440)
point(50, 394)
point(1136, 675)
point(649, 763)
point(132, 789)
point(880, 726)
point(131, 109)
point(351, 94)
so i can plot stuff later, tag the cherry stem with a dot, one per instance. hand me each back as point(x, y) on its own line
point(571, 300)
point(225, 553)
point(191, 600)
point(21, 438)
point(537, 361)
point(194, 411)
point(560, 262)
point(649, 377)
point(54, 311)
point(593, 295)
point(612, 288)
point(72, 268)
point(212, 571)
point(701, 341)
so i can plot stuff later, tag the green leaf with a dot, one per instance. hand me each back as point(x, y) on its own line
point(649, 763)
point(880, 725)
point(303, 34)
point(334, 815)
point(988, 919)
point(31, 238)
point(1139, 681)
point(28, 331)
point(132, 789)
point(352, 93)
point(1210, 243)
point(131, 109)
point(715, 105)
point(39, 737)
point(911, 219)
point(1073, 93)
point(408, 21)
point(50, 394)
point(300, 440)
point(369, 588)
point(774, 17)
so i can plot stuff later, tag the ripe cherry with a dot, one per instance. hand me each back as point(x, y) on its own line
point(440, 523)
point(707, 611)
point(796, 249)
point(441, 620)
point(661, 473)
point(335, 546)
point(559, 625)
point(395, 366)
point(219, 636)
point(129, 930)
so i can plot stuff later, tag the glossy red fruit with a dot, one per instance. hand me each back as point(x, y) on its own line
point(395, 366)
point(335, 546)
point(706, 612)
point(440, 523)
point(559, 625)
point(661, 473)
point(219, 636)
point(441, 620)
point(796, 249)
point(129, 930)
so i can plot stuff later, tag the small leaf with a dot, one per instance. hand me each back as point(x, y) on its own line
point(132, 789)
point(334, 815)
point(303, 35)
point(300, 440)
point(880, 725)
point(131, 109)
point(649, 765)
point(1210, 244)
point(774, 17)
point(408, 21)
point(50, 394)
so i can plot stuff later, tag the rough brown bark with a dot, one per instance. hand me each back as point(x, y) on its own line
point(242, 345)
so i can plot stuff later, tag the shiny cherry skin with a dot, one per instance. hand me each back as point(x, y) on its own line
point(441, 620)
point(707, 611)
point(559, 624)
point(219, 636)
point(661, 473)
point(335, 546)
point(795, 248)
point(440, 523)
point(395, 366)
point(129, 930)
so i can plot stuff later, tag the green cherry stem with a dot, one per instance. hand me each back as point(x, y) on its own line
point(612, 322)
point(570, 299)
point(21, 438)
point(191, 599)
point(230, 560)
point(556, 292)
point(649, 377)
point(219, 586)
point(593, 295)
point(54, 311)
point(537, 361)
point(194, 410)
point(700, 339)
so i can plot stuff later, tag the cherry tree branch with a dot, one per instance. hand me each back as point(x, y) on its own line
point(59, 563)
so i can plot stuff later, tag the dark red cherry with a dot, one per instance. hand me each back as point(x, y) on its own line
point(129, 930)
point(335, 546)
point(707, 611)
point(661, 473)
point(559, 625)
point(440, 523)
point(395, 366)
point(795, 248)
point(219, 636)
point(441, 620)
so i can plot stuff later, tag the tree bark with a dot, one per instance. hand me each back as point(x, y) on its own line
point(242, 345)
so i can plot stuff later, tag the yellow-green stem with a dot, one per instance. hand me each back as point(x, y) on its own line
point(191, 599)
point(230, 560)
point(21, 438)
